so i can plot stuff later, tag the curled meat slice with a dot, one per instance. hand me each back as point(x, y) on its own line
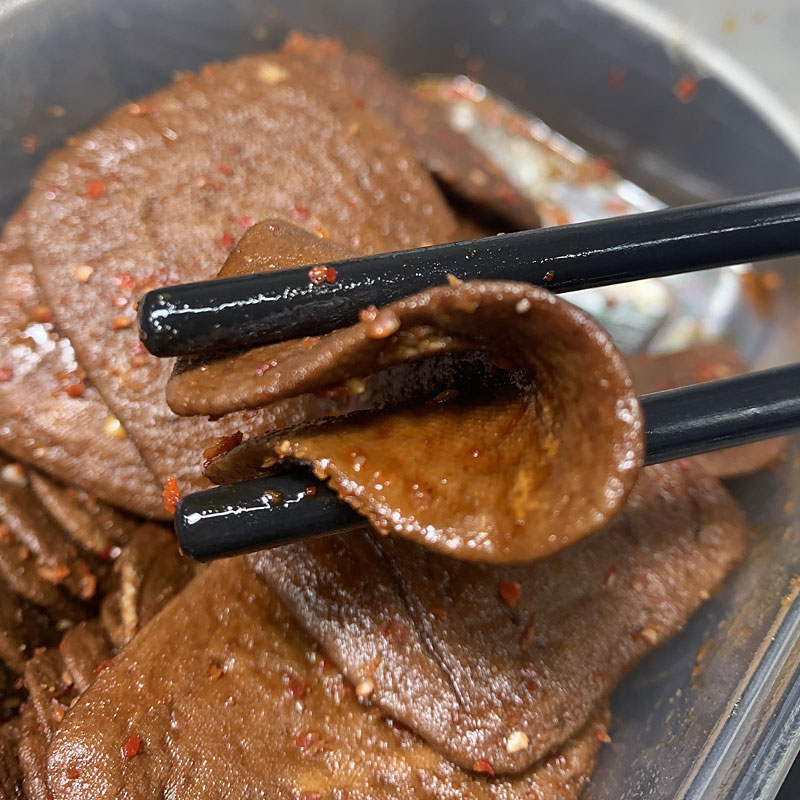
point(222, 672)
point(508, 471)
point(468, 654)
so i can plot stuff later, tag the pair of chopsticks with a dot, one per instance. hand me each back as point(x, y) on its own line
point(214, 316)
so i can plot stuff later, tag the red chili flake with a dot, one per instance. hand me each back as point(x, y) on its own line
point(266, 367)
point(75, 389)
point(251, 413)
point(226, 240)
point(396, 725)
point(325, 663)
point(30, 143)
point(510, 592)
point(225, 170)
point(171, 494)
point(311, 796)
point(124, 280)
point(142, 109)
point(102, 667)
point(394, 632)
point(307, 738)
point(58, 709)
point(311, 491)
point(208, 69)
point(71, 773)
point(95, 188)
point(686, 88)
point(601, 734)
point(483, 765)
point(298, 688)
point(132, 746)
point(331, 275)
point(617, 77)
point(318, 275)
point(300, 213)
point(42, 314)
point(360, 104)
point(222, 445)
point(246, 222)
point(120, 323)
point(685, 465)
point(6, 374)
point(549, 275)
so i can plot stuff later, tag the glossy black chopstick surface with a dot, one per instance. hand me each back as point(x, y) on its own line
point(268, 307)
point(285, 508)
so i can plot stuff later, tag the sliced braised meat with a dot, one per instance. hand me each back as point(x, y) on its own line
point(50, 689)
point(468, 655)
point(698, 365)
point(96, 527)
point(148, 572)
point(85, 650)
point(158, 193)
point(57, 561)
point(50, 415)
point(548, 458)
point(463, 169)
point(32, 754)
point(23, 628)
point(223, 696)
point(10, 772)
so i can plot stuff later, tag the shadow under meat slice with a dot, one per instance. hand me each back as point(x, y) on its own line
point(698, 364)
point(224, 672)
point(549, 456)
point(504, 663)
point(158, 193)
point(460, 167)
point(50, 416)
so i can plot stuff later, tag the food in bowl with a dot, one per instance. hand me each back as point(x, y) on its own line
point(458, 645)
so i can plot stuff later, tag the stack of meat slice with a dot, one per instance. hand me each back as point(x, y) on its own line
point(490, 422)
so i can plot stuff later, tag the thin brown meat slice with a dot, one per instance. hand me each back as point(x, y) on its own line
point(548, 458)
point(50, 414)
point(461, 168)
point(468, 655)
point(32, 754)
point(148, 572)
point(96, 527)
point(58, 561)
point(223, 696)
point(19, 572)
point(158, 193)
point(23, 628)
point(50, 689)
point(85, 650)
point(10, 772)
point(707, 362)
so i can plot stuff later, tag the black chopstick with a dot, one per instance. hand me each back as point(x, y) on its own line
point(269, 307)
point(293, 506)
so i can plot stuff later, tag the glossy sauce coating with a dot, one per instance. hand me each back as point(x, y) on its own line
point(503, 474)
point(159, 192)
point(50, 415)
point(226, 697)
point(468, 654)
